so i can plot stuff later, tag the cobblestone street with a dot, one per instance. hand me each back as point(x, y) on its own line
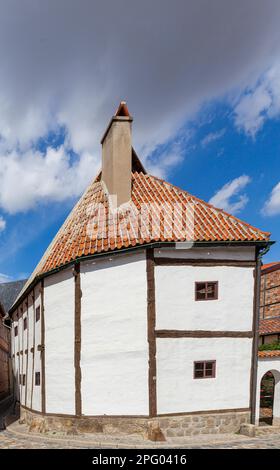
point(16, 436)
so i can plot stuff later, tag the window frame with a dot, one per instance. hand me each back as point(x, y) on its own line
point(216, 290)
point(204, 362)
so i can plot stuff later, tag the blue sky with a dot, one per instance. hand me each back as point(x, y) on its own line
point(205, 101)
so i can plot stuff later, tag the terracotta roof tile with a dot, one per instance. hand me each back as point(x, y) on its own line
point(192, 219)
point(79, 235)
point(270, 265)
point(269, 325)
point(275, 353)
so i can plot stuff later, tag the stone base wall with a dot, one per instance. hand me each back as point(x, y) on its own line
point(155, 429)
point(205, 423)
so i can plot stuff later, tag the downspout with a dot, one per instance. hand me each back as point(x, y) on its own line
point(260, 254)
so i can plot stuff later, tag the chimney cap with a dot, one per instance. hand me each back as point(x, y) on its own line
point(122, 110)
point(122, 114)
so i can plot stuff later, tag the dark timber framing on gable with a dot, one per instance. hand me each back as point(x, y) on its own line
point(151, 322)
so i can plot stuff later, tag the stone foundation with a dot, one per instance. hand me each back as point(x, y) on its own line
point(208, 423)
point(155, 429)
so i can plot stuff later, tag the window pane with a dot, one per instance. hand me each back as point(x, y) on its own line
point(38, 313)
point(201, 290)
point(211, 290)
point(199, 365)
point(198, 374)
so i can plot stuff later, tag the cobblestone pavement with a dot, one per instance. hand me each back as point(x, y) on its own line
point(17, 437)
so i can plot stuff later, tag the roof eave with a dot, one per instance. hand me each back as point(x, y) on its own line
point(258, 243)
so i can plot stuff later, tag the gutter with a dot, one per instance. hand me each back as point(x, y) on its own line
point(260, 254)
point(259, 244)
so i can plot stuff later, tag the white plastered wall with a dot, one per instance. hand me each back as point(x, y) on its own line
point(59, 342)
point(243, 253)
point(114, 347)
point(176, 307)
point(178, 391)
point(20, 347)
point(272, 365)
point(29, 356)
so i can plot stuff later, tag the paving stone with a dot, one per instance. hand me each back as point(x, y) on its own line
point(17, 436)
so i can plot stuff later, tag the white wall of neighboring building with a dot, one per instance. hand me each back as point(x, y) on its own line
point(114, 348)
point(178, 391)
point(59, 342)
point(176, 307)
point(265, 365)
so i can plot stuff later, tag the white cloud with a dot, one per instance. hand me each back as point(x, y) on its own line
point(212, 136)
point(2, 224)
point(69, 63)
point(30, 178)
point(229, 197)
point(4, 278)
point(260, 103)
point(162, 166)
point(272, 205)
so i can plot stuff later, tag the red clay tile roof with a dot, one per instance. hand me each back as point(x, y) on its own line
point(263, 354)
point(270, 267)
point(269, 326)
point(78, 236)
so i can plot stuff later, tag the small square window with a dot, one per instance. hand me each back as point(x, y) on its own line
point(16, 330)
point(23, 379)
point(25, 323)
point(204, 369)
point(37, 314)
point(37, 378)
point(206, 290)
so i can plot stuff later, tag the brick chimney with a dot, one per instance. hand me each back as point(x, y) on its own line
point(117, 155)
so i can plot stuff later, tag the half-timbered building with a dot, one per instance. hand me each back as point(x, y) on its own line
point(142, 314)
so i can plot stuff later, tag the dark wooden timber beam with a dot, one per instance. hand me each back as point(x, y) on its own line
point(202, 334)
point(160, 261)
point(151, 322)
point(77, 345)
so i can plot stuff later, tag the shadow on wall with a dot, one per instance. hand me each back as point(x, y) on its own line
point(9, 406)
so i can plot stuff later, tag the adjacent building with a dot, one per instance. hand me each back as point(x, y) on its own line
point(141, 316)
point(270, 303)
point(8, 294)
